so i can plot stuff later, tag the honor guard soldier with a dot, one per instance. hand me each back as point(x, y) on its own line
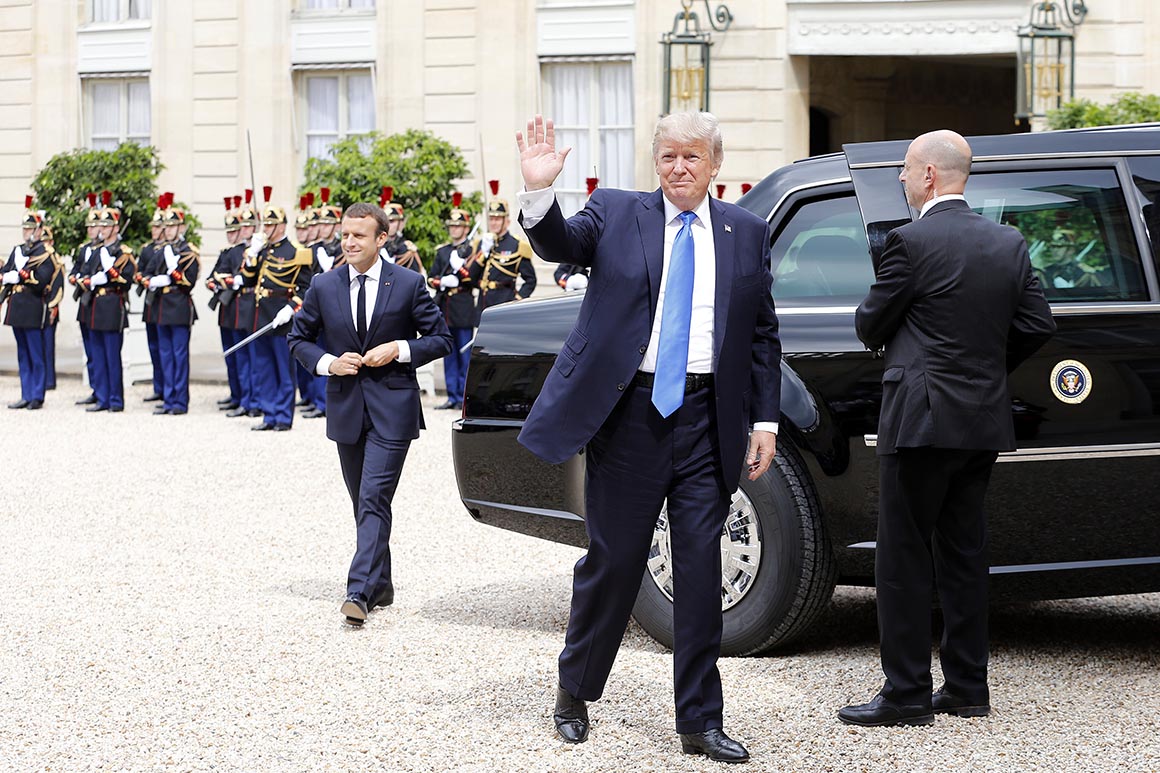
point(328, 220)
point(145, 267)
point(279, 271)
point(107, 278)
point(451, 276)
point(398, 249)
point(55, 295)
point(245, 311)
point(305, 233)
point(27, 283)
point(502, 259)
point(327, 251)
point(75, 274)
point(171, 279)
point(221, 284)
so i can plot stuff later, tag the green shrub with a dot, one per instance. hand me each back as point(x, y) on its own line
point(1132, 107)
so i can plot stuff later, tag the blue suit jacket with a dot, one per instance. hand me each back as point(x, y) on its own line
point(619, 235)
point(403, 310)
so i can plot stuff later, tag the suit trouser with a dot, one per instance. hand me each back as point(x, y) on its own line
point(107, 382)
point(50, 355)
point(173, 345)
point(154, 341)
point(636, 460)
point(275, 378)
point(455, 364)
point(30, 360)
point(931, 516)
point(90, 363)
point(230, 337)
point(371, 469)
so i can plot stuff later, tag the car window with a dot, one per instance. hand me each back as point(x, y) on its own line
point(1146, 175)
point(821, 256)
point(1077, 229)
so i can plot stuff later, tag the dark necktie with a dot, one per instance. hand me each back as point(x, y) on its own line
point(673, 345)
point(360, 312)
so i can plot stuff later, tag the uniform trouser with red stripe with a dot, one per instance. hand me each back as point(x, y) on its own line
point(107, 383)
point(30, 358)
point(275, 378)
point(173, 345)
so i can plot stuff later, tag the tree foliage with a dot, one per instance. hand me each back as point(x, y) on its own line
point(418, 165)
point(1132, 107)
point(129, 172)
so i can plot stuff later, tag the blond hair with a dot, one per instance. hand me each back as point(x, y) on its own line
point(690, 127)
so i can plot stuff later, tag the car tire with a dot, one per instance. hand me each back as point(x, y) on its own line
point(795, 573)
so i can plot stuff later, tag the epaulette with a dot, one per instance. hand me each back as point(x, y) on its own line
point(303, 255)
point(125, 250)
point(524, 250)
point(410, 245)
point(444, 244)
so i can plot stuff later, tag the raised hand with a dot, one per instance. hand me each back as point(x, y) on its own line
point(540, 162)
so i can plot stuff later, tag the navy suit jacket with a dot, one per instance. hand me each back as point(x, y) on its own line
point(619, 235)
point(390, 393)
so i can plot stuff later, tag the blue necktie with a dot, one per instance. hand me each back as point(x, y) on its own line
point(673, 348)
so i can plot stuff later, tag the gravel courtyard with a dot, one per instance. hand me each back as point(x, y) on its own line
point(170, 590)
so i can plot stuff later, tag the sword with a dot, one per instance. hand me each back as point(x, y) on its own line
point(467, 345)
point(251, 338)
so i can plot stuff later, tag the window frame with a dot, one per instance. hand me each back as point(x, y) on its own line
point(123, 84)
point(344, 7)
point(123, 17)
point(343, 74)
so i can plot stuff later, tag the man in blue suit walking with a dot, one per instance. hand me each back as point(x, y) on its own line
point(384, 325)
point(673, 360)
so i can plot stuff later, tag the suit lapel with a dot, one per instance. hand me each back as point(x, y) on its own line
point(386, 282)
point(651, 225)
point(342, 290)
point(725, 248)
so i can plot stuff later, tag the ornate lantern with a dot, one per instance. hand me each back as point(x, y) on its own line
point(1046, 68)
point(686, 52)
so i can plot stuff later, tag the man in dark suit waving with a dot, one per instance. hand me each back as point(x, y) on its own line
point(385, 325)
point(957, 307)
point(673, 359)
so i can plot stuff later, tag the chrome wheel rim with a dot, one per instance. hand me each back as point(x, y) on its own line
point(740, 552)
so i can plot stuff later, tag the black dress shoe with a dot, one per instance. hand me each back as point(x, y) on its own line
point(263, 427)
point(715, 745)
point(571, 717)
point(16, 406)
point(946, 702)
point(95, 409)
point(281, 427)
point(87, 401)
point(160, 411)
point(254, 412)
point(302, 402)
point(177, 411)
point(151, 398)
point(35, 405)
point(447, 405)
point(384, 598)
point(239, 411)
point(354, 609)
point(117, 408)
point(882, 712)
point(315, 414)
point(229, 405)
point(227, 401)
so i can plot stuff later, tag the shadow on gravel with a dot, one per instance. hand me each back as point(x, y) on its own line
point(311, 589)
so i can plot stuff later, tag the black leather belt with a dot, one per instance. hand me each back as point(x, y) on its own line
point(693, 381)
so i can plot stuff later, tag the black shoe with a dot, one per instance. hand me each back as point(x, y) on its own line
point(946, 702)
point(95, 409)
point(16, 406)
point(715, 745)
point(281, 427)
point(150, 399)
point(354, 609)
point(177, 411)
point(302, 402)
point(263, 427)
point(231, 402)
point(449, 404)
point(571, 717)
point(385, 597)
point(35, 405)
point(228, 405)
point(117, 408)
point(254, 412)
point(239, 411)
point(90, 400)
point(160, 411)
point(881, 712)
point(314, 414)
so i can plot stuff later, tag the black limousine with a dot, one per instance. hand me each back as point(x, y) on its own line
point(1073, 512)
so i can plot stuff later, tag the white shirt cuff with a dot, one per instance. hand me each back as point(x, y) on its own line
point(404, 351)
point(765, 426)
point(323, 366)
point(535, 204)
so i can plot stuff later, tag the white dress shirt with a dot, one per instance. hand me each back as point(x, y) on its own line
point(535, 205)
point(940, 199)
point(373, 274)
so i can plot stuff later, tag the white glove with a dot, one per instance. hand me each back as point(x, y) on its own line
point(106, 259)
point(236, 282)
point(456, 262)
point(385, 255)
point(170, 259)
point(11, 277)
point(576, 282)
point(283, 316)
point(324, 259)
point(161, 280)
point(257, 242)
point(448, 282)
point(98, 279)
point(19, 259)
point(486, 243)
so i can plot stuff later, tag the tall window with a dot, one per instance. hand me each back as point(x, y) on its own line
point(591, 104)
point(338, 105)
point(337, 4)
point(119, 10)
point(118, 110)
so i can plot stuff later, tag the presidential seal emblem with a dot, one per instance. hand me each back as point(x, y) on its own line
point(1071, 382)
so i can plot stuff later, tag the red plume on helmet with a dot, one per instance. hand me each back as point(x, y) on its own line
point(310, 199)
point(388, 194)
point(746, 188)
point(92, 199)
point(267, 191)
point(106, 198)
point(237, 201)
point(302, 201)
point(249, 195)
point(28, 201)
point(456, 199)
point(591, 182)
point(720, 190)
point(494, 185)
point(227, 200)
point(324, 194)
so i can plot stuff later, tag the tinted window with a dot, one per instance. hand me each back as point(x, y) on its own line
point(1077, 229)
point(1146, 175)
point(821, 257)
